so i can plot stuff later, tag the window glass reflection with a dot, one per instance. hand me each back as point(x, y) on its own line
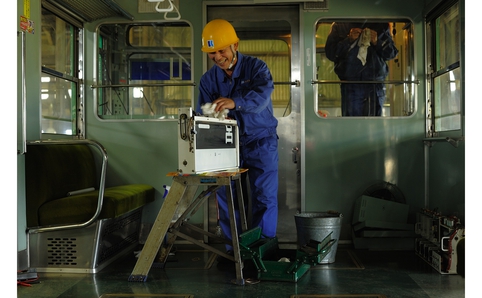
point(363, 68)
point(447, 101)
point(144, 70)
point(60, 75)
point(58, 114)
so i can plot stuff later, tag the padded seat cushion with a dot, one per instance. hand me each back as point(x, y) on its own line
point(51, 171)
point(80, 208)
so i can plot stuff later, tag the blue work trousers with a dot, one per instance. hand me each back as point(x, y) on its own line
point(362, 99)
point(260, 157)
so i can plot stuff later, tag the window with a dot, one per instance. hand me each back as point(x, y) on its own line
point(143, 70)
point(275, 53)
point(394, 85)
point(444, 103)
point(61, 76)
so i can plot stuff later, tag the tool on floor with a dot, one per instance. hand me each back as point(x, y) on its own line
point(255, 247)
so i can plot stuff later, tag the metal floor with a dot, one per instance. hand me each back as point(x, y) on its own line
point(194, 272)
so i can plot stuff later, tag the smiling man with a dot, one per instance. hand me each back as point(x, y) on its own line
point(243, 85)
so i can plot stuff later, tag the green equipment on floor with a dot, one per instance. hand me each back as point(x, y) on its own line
point(255, 247)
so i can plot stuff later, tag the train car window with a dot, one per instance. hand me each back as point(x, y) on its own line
point(61, 74)
point(444, 102)
point(276, 54)
point(368, 75)
point(143, 70)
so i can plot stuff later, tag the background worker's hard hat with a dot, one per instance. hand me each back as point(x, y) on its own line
point(218, 34)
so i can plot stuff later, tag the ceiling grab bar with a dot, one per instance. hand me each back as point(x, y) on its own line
point(171, 8)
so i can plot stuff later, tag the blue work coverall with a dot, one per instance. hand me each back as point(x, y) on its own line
point(364, 99)
point(250, 87)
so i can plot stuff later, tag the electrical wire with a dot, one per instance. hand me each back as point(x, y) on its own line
point(26, 282)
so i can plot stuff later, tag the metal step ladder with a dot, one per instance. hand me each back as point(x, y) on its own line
point(180, 202)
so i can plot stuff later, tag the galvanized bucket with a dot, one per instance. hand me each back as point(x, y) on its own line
point(316, 226)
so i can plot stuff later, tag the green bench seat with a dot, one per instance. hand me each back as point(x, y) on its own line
point(75, 223)
point(55, 169)
point(118, 200)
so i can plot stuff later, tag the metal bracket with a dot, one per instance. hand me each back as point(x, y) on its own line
point(453, 141)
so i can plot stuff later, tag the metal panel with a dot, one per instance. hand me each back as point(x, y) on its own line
point(86, 250)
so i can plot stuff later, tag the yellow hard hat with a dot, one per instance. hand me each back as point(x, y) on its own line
point(218, 34)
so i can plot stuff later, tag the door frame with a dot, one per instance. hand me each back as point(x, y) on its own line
point(289, 126)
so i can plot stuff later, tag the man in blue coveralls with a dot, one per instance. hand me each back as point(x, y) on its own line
point(360, 52)
point(243, 85)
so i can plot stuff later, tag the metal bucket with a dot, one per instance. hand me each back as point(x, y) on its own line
point(316, 226)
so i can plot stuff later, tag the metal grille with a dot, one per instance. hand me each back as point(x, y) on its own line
point(318, 5)
point(62, 251)
point(114, 233)
point(91, 10)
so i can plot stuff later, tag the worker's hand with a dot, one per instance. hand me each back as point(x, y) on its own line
point(373, 36)
point(224, 103)
point(354, 34)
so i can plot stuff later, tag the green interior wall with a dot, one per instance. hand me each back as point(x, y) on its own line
point(343, 157)
point(340, 157)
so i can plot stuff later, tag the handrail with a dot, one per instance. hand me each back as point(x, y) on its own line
point(100, 199)
point(24, 95)
point(167, 10)
point(143, 85)
point(296, 83)
point(365, 82)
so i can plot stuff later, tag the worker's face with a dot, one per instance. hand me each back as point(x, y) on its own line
point(223, 57)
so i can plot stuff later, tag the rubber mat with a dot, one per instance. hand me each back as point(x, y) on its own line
point(147, 296)
point(340, 296)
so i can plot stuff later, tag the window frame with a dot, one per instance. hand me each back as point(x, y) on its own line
point(101, 88)
point(433, 74)
point(408, 75)
point(75, 78)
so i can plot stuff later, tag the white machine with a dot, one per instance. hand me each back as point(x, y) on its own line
point(206, 144)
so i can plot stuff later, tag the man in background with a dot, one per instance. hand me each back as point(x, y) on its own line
point(360, 52)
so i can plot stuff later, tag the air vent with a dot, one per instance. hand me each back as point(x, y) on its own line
point(90, 10)
point(62, 251)
point(318, 5)
point(118, 235)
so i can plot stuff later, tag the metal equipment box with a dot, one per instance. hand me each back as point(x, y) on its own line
point(374, 209)
point(206, 144)
point(438, 244)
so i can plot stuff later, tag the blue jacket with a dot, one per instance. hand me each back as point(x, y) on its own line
point(250, 87)
point(344, 54)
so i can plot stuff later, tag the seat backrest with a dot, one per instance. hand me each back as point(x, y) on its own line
point(54, 170)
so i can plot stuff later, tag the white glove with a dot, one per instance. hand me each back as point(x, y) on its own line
point(363, 44)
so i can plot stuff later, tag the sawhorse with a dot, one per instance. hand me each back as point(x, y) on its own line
point(180, 199)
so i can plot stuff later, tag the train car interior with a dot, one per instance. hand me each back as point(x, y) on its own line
point(118, 173)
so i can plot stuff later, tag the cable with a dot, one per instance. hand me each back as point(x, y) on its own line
point(26, 282)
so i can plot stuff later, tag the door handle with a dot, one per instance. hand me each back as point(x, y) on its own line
point(294, 151)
